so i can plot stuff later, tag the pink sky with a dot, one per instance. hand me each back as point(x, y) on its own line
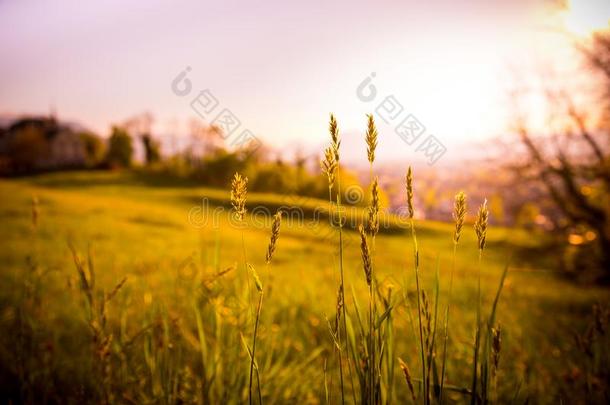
point(281, 67)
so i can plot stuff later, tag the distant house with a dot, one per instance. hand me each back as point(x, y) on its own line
point(66, 150)
point(40, 143)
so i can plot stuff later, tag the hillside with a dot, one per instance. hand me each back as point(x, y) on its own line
point(153, 234)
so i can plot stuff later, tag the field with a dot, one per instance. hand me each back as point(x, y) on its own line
point(176, 331)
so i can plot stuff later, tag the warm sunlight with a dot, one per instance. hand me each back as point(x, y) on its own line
point(347, 202)
point(584, 17)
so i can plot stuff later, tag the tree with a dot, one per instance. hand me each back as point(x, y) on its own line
point(152, 152)
point(205, 139)
point(120, 148)
point(94, 148)
point(572, 162)
point(27, 148)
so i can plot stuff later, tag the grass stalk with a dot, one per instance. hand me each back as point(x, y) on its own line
point(409, 188)
point(477, 339)
point(421, 333)
point(252, 359)
point(446, 326)
point(480, 227)
point(431, 349)
point(418, 290)
point(331, 167)
point(338, 330)
point(371, 345)
point(372, 341)
point(373, 228)
point(342, 281)
point(459, 215)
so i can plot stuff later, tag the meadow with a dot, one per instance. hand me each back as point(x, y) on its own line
point(162, 308)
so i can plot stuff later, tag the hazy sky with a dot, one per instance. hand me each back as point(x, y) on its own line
point(279, 66)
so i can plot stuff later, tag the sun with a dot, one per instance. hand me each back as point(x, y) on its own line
point(584, 17)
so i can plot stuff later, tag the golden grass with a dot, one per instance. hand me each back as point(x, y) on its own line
point(239, 191)
point(373, 210)
point(329, 166)
point(480, 225)
point(366, 257)
point(275, 234)
point(162, 340)
point(371, 138)
point(409, 187)
point(459, 215)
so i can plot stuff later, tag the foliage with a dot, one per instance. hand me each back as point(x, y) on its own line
point(94, 148)
point(27, 148)
point(152, 152)
point(120, 148)
point(571, 162)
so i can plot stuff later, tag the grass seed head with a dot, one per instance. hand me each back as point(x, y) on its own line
point(275, 234)
point(373, 211)
point(339, 308)
point(375, 195)
point(238, 195)
point(405, 370)
point(257, 280)
point(329, 165)
point(371, 138)
point(372, 223)
point(459, 214)
point(409, 186)
point(334, 135)
point(480, 225)
point(366, 256)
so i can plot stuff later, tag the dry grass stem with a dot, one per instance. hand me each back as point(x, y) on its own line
point(407, 373)
point(496, 346)
point(257, 280)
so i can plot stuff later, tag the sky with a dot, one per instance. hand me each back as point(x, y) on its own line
point(281, 67)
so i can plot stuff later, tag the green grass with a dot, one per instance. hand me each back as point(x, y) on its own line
point(138, 226)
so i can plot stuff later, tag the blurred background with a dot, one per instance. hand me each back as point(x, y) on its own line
point(514, 95)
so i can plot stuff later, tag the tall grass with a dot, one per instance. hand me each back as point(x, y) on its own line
point(238, 201)
point(376, 387)
point(331, 167)
point(140, 353)
point(252, 351)
point(372, 230)
point(480, 227)
point(459, 216)
point(96, 309)
point(275, 233)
